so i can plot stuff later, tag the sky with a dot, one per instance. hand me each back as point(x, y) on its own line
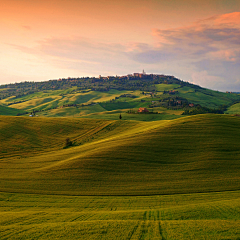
point(195, 41)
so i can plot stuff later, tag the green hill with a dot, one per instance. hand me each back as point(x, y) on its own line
point(84, 97)
point(75, 171)
point(234, 109)
point(170, 179)
point(191, 154)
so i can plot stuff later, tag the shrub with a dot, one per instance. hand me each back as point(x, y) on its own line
point(68, 143)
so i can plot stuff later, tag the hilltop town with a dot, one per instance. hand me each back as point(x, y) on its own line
point(135, 81)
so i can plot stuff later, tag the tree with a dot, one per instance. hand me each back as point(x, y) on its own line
point(120, 116)
point(68, 143)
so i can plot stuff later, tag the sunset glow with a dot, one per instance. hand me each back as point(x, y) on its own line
point(196, 41)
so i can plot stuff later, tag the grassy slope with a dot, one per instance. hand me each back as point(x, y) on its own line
point(191, 154)
point(204, 97)
point(234, 109)
point(58, 98)
point(4, 110)
point(24, 136)
point(166, 87)
point(114, 115)
point(207, 97)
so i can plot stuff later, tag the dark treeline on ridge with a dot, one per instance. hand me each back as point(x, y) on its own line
point(142, 82)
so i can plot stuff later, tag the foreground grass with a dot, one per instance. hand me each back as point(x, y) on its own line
point(184, 216)
point(175, 179)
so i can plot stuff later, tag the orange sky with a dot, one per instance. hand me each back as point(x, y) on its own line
point(43, 40)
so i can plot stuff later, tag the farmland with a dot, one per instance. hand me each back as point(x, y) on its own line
point(171, 173)
point(170, 179)
point(184, 216)
point(103, 98)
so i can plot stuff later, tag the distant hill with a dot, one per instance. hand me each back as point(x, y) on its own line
point(107, 97)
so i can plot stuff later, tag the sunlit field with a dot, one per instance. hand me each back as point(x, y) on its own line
point(179, 216)
point(120, 179)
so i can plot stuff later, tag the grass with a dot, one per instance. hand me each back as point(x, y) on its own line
point(98, 111)
point(190, 154)
point(123, 179)
point(4, 110)
point(234, 109)
point(184, 216)
point(51, 99)
point(114, 115)
point(166, 87)
point(55, 103)
point(23, 136)
point(206, 97)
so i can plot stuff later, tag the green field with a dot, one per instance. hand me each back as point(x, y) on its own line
point(4, 110)
point(234, 109)
point(185, 216)
point(72, 102)
point(122, 179)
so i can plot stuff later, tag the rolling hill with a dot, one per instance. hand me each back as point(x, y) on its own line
point(103, 98)
point(161, 175)
point(191, 154)
point(170, 179)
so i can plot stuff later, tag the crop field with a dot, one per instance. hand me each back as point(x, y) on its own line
point(114, 115)
point(207, 97)
point(120, 179)
point(4, 110)
point(167, 87)
point(183, 216)
point(234, 109)
point(160, 157)
point(58, 98)
point(73, 102)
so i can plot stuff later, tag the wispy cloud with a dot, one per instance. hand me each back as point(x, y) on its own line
point(210, 46)
point(26, 27)
point(215, 38)
point(206, 52)
point(204, 38)
point(74, 52)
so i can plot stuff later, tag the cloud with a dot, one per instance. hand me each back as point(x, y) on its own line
point(79, 48)
point(74, 52)
point(210, 46)
point(216, 38)
point(229, 19)
point(208, 36)
point(206, 52)
point(27, 27)
point(25, 49)
point(227, 55)
point(87, 55)
point(203, 78)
